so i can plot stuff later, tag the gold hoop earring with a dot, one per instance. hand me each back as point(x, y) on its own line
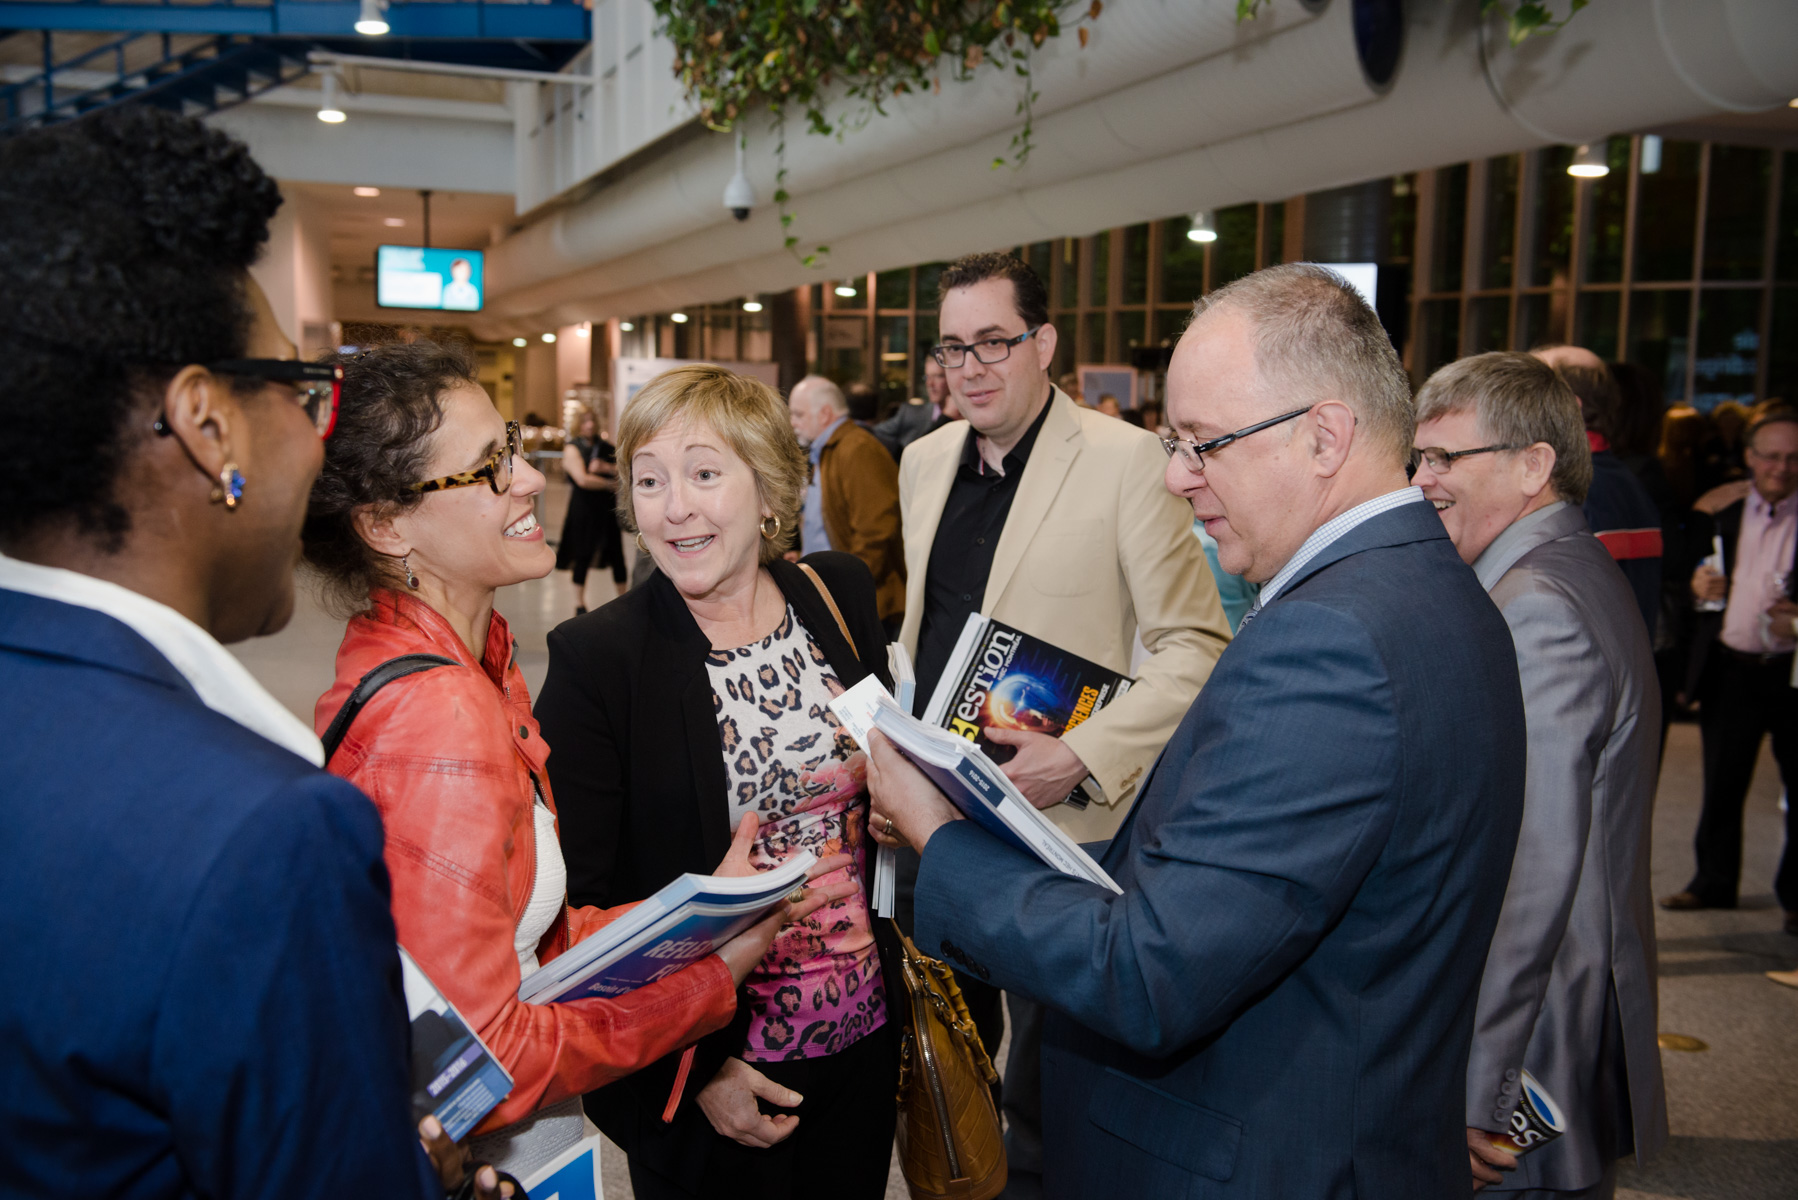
point(770, 534)
point(640, 544)
point(411, 579)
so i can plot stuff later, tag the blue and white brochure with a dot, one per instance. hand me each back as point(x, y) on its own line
point(972, 781)
point(454, 1076)
point(675, 928)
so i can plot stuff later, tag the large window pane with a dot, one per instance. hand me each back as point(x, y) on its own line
point(1551, 208)
point(1170, 323)
point(894, 337)
point(1067, 292)
point(1782, 346)
point(1488, 324)
point(1735, 212)
point(1100, 295)
point(1041, 257)
point(1729, 343)
point(1438, 335)
point(1182, 263)
point(1667, 212)
point(1498, 244)
point(848, 294)
point(1657, 337)
point(1538, 323)
point(928, 274)
point(1401, 220)
point(1136, 265)
point(1092, 338)
point(1233, 254)
point(1595, 322)
point(892, 289)
point(1131, 335)
point(1785, 235)
point(1273, 235)
point(1448, 241)
point(1606, 200)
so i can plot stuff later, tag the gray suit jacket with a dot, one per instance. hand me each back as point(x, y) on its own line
point(1569, 986)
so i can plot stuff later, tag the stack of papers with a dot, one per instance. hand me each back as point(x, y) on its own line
point(971, 780)
point(676, 927)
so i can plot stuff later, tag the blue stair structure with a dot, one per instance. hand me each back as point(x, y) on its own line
point(199, 58)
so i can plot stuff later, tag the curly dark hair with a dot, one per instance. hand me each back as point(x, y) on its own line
point(123, 247)
point(392, 404)
point(1027, 285)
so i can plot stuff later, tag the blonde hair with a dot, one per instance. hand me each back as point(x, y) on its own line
point(751, 418)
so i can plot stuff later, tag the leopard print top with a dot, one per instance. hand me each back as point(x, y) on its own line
point(789, 762)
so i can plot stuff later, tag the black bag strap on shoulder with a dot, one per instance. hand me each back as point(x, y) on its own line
point(368, 685)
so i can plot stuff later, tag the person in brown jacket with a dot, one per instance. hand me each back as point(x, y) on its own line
point(852, 501)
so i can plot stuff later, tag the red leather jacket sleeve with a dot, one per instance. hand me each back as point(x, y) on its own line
point(437, 756)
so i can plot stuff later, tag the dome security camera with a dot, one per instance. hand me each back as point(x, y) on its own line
point(739, 193)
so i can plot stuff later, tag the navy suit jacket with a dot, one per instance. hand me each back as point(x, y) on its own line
point(201, 995)
point(1280, 1003)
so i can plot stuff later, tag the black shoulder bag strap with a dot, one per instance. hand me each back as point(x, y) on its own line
point(368, 685)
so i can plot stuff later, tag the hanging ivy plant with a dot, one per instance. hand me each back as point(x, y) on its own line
point(787, 53)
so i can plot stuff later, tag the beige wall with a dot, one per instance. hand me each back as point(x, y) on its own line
point(295, 272)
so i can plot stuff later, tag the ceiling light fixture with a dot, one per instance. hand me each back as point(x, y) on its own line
point(678, 318)
point(752, 306)
point(1588, 162)
point(371, 22)
point(626, 326)
point(328, 110)
point(393, 222)
point(846, 288)
point(520, 343)
point(367, 191)
point(550, 338)
point(1204, 228)
point(584, 329)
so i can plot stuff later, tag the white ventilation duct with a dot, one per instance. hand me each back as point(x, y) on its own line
point(1174, 107)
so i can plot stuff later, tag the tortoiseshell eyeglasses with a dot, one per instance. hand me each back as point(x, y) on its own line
point(496, 472)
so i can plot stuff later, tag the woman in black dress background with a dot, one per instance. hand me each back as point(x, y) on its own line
point(590, 530)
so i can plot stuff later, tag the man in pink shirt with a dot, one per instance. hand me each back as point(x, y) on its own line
point(1741, 672)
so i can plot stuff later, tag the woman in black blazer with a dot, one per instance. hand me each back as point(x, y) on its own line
point(675, 709)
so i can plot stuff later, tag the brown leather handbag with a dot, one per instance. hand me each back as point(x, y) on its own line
point(950, 1143)
point(949, 1139)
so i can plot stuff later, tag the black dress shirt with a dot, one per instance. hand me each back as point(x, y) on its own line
point(961, 557)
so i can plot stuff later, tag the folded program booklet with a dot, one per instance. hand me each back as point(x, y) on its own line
point(455, 1078)
point(676, 927)
point(971, 781)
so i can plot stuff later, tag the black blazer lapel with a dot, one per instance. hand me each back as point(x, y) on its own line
point(674, 680)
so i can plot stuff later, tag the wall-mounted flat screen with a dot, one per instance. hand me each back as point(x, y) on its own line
point(414, 277)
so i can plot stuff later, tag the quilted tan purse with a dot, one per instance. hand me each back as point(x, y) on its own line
point(949, 1139)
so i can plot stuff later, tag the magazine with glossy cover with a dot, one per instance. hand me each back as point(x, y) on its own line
point(1002, 677)
point(962, 771)
point(676, 927)
point(454, 1076)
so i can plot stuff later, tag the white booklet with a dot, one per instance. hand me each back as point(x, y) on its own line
point(678, 926)
point(971, 780)
point(886, 863)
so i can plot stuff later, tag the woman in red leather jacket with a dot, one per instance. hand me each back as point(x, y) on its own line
point(424, 508)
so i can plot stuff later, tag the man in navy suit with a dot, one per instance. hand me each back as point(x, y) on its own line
point(1280, 1002)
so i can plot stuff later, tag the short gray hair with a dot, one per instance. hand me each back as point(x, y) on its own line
point(1317, 339)
point(826, 387)
point(1519, 400)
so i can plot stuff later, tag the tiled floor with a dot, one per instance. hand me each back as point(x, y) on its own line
point(1733, 1107)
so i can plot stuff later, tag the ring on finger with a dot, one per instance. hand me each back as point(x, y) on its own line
point(889, 829)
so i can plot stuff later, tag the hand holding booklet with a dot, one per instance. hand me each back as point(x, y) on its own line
point(676, 927)
point(972, 781)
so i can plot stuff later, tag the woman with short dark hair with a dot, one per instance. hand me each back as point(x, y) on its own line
point(695, 701)
point(424, 509)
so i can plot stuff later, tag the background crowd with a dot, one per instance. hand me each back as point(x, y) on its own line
point(1377, 802)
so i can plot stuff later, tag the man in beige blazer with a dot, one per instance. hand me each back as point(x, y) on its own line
point(1052, 519)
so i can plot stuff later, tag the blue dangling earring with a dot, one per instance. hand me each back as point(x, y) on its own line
point(229, 489)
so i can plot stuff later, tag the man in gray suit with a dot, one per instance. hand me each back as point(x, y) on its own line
point(1569, 987)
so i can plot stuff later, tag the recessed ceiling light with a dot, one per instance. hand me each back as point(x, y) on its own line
point(549, 337)
point(520, 343)
point(393, 222)
point(678, 318)
point(367, 191)
point(584, 329)
point(752, 306)
point(626, 326)
point(846, 288)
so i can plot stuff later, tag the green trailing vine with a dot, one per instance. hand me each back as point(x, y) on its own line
point(786, 54)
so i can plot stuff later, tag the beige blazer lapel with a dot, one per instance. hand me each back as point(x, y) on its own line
point(922, 511)
point(1050, 460)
